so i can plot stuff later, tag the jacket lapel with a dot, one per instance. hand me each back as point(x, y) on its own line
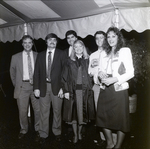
point(20, 63)
point(56, 57)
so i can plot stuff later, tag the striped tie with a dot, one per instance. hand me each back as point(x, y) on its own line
point(49, 66)
point(30, 68)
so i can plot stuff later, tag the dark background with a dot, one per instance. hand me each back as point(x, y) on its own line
point(8, 109)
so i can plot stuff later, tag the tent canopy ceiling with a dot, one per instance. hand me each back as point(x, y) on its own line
point(15, 13)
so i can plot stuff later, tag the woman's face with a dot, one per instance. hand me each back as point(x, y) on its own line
point(99, 39)
point(78, 47)
point(112, 38)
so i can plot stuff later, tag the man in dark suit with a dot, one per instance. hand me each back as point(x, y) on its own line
point(21, 73)
point(71, 37)
point(47, 86)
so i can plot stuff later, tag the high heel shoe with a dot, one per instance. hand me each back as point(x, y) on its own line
point(80, 136)
point(75, 139)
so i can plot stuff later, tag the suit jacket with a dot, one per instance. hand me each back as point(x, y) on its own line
point(16, 72)
point(39, 78)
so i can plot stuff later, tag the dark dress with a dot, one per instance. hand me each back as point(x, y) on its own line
point(113, 109)
point(77, 82)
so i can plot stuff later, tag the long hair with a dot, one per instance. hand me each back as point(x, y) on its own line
point(73, 54)
point(105, 44)
point(120, 42)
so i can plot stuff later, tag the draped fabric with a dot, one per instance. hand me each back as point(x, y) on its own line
point(129, 19)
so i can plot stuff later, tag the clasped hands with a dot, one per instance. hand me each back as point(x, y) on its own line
point(104, 79)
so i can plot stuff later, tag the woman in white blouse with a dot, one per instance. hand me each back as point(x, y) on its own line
point(113, 103)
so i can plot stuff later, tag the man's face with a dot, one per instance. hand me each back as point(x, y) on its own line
point(71, 39)
point(51, 42)
point(27, 44)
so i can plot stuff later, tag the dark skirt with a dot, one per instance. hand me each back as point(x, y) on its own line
point(113, 110)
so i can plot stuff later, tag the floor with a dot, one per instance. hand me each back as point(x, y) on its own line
point(9, 129)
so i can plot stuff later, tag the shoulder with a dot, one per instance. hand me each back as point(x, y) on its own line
point(35, 53)
point(59, 50)
point(42, 53)
point(17, 55)
point(124, 50)
point(94, 53)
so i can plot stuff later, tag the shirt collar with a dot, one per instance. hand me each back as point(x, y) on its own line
point(52, 51)
point(25, 52)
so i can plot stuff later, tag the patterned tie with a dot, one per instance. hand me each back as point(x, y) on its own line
point(49, 65)
point(30, 68)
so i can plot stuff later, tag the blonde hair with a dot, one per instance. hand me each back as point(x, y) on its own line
point(73, 54)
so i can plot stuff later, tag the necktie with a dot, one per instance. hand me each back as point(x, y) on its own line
point(49, 65)
point(30, 68)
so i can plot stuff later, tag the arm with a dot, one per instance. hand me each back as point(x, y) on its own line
point(13, 70)
point(126, 57)
point(36, 78)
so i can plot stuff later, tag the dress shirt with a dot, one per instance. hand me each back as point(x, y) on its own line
point(70, 50)
point(52, 56)
point(25, 64)
point(102, 59)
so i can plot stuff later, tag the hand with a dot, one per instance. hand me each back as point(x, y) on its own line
point(102, 75)
point(37, 93)
point(109, 81)
point(94, 63)
point(60, 94)
point(67, 95)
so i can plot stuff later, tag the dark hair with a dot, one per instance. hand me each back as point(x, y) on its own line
point(71, 32)
point(26, 36)
point(105, 44)
point(51, 35)
point(99, 32)
point(120, 42)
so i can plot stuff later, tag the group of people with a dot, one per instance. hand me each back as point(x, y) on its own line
point(79, 86)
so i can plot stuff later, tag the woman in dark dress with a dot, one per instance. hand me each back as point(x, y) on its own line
point(113, 103)
point(77, 86)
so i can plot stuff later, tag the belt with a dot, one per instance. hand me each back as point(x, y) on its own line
point(78, 86)
point(25, 81)
point(47, 80)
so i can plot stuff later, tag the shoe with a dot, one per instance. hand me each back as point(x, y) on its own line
point(37, 136)
point(29, 120)
point(99, 142)
point(42, 140)
point(75, 140)
point(21, 135)
point(80, 136)
point(58, 138)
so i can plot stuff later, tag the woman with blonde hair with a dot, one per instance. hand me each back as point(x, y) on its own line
point(77, 86)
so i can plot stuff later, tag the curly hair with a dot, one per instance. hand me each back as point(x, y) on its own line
point(120, 42)
point(85, 54)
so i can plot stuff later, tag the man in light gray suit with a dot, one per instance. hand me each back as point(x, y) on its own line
point(21, 73)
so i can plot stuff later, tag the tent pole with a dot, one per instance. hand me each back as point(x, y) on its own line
point(25, 29)
point(117, 18)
